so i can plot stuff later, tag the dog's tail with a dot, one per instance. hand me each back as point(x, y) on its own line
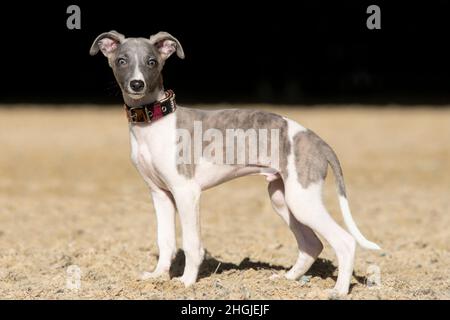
point(345, 209)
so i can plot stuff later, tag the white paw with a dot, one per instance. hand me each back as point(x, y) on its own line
point(285, 275)
point(291, 275)
point(187, 281)
point(154, 275)
point(335, 294)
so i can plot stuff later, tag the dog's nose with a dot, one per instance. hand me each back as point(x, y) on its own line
point(137, 85)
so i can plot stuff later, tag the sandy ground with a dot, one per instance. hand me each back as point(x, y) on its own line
point(69, 196)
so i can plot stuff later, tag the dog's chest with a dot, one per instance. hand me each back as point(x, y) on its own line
point(152, 148)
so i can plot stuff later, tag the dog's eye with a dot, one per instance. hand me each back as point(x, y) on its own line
point(151, 62)
point(121, 61)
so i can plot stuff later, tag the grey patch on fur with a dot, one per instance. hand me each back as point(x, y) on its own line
point(234, 119)
point(312, 156)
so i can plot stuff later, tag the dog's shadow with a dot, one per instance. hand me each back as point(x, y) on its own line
point(322, 268)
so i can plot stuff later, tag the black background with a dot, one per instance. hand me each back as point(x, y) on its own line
point(236, 51)
point(124, 309)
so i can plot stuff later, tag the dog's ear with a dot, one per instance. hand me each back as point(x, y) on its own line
point(166, 45)
point(107, 42)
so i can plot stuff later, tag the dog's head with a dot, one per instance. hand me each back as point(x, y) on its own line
point(137, 62)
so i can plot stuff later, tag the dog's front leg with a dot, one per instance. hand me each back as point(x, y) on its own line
point(165, 215)
point(187, 199)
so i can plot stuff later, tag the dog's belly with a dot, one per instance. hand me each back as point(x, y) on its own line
point(208, 174)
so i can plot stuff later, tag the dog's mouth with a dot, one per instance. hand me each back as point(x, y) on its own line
point(135, 95)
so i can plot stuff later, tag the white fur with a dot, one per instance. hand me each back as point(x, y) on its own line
point(165, 216)
point(308, 244)
point(351, 226)
point(137, 75)
point(293, 128)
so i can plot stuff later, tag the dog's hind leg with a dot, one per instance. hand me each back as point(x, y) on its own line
point(307, 207)
point(308, 244)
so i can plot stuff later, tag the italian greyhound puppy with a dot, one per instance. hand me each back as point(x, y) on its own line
point(157, 129)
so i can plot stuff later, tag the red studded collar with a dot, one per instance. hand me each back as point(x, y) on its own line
point(152, 111)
